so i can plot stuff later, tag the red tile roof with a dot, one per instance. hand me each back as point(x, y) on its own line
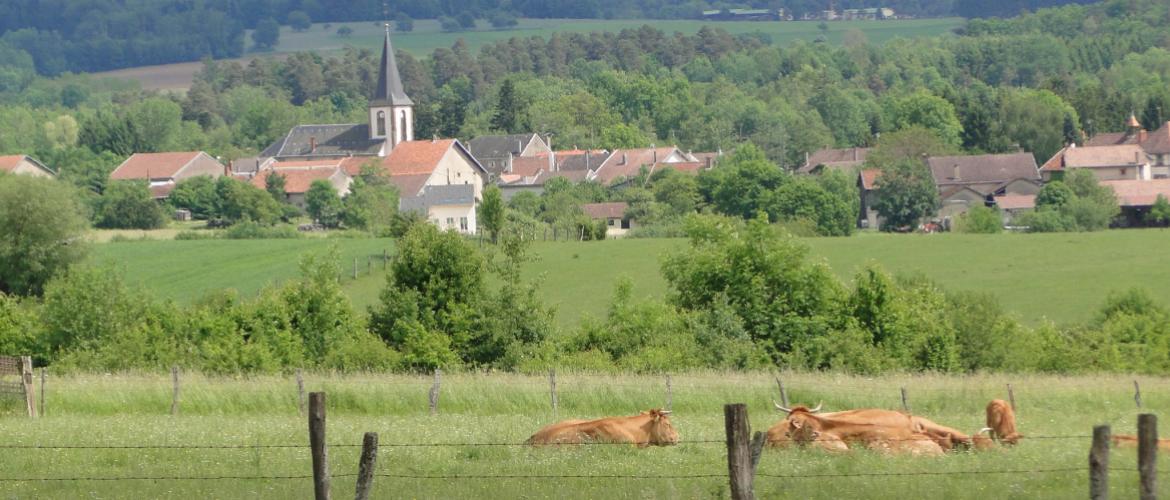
point(528, 166)
point(1056, 163)
point(835, 158)
point(153, 165)
point(612, 210)
point(869, 178)
point(627, 162)
point(9, 163)
point(353, 165)
point(296, 180)
point(1132, 193)
point(417, 157)
point(1158, 141)
point(1104, 156)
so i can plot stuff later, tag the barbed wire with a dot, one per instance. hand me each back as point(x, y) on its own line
point(162, 478)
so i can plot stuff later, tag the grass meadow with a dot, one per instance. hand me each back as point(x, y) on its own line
point(1055, 277)
point(427, 36)
point(254, 414)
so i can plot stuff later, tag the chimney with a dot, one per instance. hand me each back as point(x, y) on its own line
point(624, 159)
point(552, 161)
point(519, 146)
point(1142, 136)
point(956, 175)
point(312, 144)
point(434, 138)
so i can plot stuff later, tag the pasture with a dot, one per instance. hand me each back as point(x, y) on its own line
point(427, 36)
point(255, 423)
point(1055, 277)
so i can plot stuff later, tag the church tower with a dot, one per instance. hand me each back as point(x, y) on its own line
point(391, 111)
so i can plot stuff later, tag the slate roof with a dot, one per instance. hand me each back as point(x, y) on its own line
point(983, 173)
point(498, 146)
point(843, 158)
point(611, 210)
point(1134, 193)
point(432, 196)
point(154, 165)
point(1158, 141)
point(331, 140)
point(389, 91)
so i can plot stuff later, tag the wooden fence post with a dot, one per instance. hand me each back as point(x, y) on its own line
point(175, 393)
point(742, 451)
point(552, 389)
point(355, 268)
point(1137, 394)
point(26, 379)
point(1011, 397)
point(783, 392)
point(434, 394)
point(300, 392)
point(369, 459)
point(905, 401)
point(317, 445)
point(42, 391)
point(669, 395)
point(1148, 455)
point(1099, 464)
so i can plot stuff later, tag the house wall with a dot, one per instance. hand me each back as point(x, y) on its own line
point(26, 167)
point(1021, 187)
point(534, 147)
point(614, 229)
point(959, 203)
point(439, 214)
point(455, 169)
point(1129, 172)
point(201, 165)
point(869, 217)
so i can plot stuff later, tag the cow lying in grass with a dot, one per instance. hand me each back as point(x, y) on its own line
point(651, 427)
point(884, 430)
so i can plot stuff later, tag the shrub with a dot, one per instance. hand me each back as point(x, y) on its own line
point(248, 230)
point(128, 205)
point(980, 220)
point(41, 229)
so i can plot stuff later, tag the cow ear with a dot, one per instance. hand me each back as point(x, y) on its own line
point(796, 424)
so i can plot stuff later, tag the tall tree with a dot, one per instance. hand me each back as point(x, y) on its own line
point(323, 203)
point(906, 194)
point(491, 211)
point(511, 113)
point(41, 232)
point(266, 35)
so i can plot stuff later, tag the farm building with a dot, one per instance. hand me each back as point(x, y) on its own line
point(968, 181)
point(1131, 155)
point(300, 175)
point(498, 152)
point(614, 215)
point(163, 170)
point(25, 165)
point(1135, 197)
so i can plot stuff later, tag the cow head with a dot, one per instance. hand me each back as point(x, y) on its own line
point(801, 426)
point(662, 433)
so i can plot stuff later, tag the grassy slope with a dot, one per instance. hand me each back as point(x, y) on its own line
point(1061, 277)
point(427, 35)
point(131, 410)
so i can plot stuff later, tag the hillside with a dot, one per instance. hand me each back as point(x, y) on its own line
point(1059, 277)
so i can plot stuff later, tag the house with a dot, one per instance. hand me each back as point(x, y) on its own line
point(624, 164)
point(1134, 134)
point(1157, 148)
point(163, 170)
point(1135, 197)
point(439, 178)
point(25, 165)
point(967, 181)
point(1114, 162)
point(300, 175)
point(1012, 205)
point(614, 213)
point(390, 122)
point(868, 217)
point(496, 152)
point(846, 160)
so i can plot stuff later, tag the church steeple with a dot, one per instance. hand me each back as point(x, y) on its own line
point(391, 111)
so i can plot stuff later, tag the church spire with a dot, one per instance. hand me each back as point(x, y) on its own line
point(389, 91)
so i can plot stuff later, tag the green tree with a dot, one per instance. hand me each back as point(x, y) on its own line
point(238, 201)
point(744, 183)
point(466, 20)
point(1055, 194)
point(129, 205)
point(403, 22)
point(980, 220)
point(1038, 121)
point(449, 24)
point(299, 21)
point(503, 19)
point(345, 32)
point(1159, 214)
point(266, 35)
point(923, 109)
point(41, 232)
point(274, 185)
point(196, 194)
point(491, 212)
point(510, 115)
point(906, 194)
point(622, 136)
point(323, 204)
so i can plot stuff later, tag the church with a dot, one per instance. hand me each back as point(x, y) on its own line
point(438, 178)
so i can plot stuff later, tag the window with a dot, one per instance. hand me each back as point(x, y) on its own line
point(402, 129)
point(381, 124)
point(450, 222)
point(463, 224)
point(1123, 171)
point(612, 221)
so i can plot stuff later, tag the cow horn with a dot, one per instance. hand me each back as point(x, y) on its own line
point(781, 408)
point(983, 430)
point(818, 408)
point(664, 412)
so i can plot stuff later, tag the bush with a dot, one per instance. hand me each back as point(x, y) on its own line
point(249, 230)
point(129, 205)
point(980, 220)
point(195, 235)
point(449, 24)
point(41, 229)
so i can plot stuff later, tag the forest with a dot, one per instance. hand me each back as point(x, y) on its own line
point(97, 35)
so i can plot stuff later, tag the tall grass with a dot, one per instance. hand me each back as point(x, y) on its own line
point(105, 410)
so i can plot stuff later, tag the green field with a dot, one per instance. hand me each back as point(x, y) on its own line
point(427, 36)
point(1056, 413)
point(1058, 277)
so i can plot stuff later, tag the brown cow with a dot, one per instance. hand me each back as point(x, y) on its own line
point(1002, 422)
point(946, 437)
point(1130, 441)
point(877, 429)
point(651, 427)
